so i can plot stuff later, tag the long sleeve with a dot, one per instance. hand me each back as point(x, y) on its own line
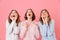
point(22, 30)
point(9, 27)
point(51, 28)
point(16, 30)
point(43, 29)
point(37, 34)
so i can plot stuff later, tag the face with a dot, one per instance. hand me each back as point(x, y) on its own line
point(13, 15)
point(44, 14)
point(29, 14)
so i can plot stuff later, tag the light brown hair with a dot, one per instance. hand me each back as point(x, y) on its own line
point(18, 18)
point(49, 19)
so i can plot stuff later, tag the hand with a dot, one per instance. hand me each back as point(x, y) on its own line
point(25, 25)
point(13, 18)
point(44, 20)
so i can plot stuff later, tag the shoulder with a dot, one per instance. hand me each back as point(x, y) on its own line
point(34, 23)
point(39, 23)
point(19, 23)
point(23, 23)
point(52, 21)
point(7, 22)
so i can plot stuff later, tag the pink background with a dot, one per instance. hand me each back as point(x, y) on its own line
point(53, 6)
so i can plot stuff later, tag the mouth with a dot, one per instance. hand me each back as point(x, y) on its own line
point(29, 14)
point(13, 16)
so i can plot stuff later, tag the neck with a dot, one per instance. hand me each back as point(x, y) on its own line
point(30, 20)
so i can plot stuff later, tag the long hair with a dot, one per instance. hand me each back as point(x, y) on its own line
point(49, 19)
point(18, 18)
point(33, 17)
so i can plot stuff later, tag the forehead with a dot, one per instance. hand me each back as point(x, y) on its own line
point(29, 10)
point(13, 11)
point(44, 12)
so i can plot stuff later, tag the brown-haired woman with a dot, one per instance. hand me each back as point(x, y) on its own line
point(29, 30)
point(12, 25)
point(46, 25)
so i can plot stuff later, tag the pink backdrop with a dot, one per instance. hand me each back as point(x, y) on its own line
point(53, 6)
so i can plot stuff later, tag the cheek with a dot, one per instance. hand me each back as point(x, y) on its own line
point(16, 16)
point(27, 14)
point(31, 15)
point(10, 17)
point(42, 15)
point(46, 15)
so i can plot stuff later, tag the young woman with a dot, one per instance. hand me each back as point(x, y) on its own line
point(12, 26)
point(29, 30)
point(46, 25)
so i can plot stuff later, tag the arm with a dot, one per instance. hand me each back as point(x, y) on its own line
point(37, 33)
point(17, 29)
point(43, 29)
point(51, 28)
point(9, 27)
point(22, 30)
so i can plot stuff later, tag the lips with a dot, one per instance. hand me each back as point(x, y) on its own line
point(29, 14)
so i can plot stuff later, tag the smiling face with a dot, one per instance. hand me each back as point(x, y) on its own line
point(13, 15)
point(44, 14)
